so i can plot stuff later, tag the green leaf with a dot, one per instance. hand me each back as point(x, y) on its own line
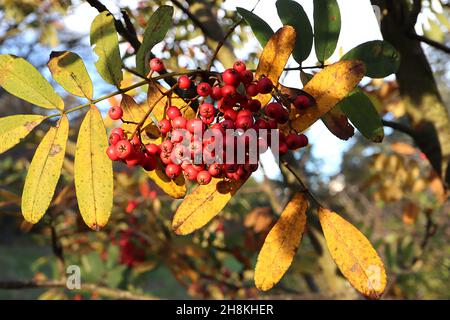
point(105, 43)
point(263, 32)
point(93, 171)
point(327, 26)
point(20, 78)
point(14, 128)
point(158, 25)
point(380, 57)
point(69, 71)
point(292, 13)
point(44, 171)
point(363, 115)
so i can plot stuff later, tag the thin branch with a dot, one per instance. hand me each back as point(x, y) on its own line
point(191, 16)
point(88, 287)
point(430, 42)
point(400, 127)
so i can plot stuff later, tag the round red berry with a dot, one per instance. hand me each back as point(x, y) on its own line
point(114, 138)
point(118, 131)
point(173, 170)
point(123, 149)
point(265, 85)
point(190, 173)
point(301, 102)
point(216, 93)
point(173, 112)
point(230, 114)
point(207, 110)
point(253, 105)
point(167, 146)
point(112, 153)
point(252, 89)
point(115, 113)
point(239, 66)
point(156, 65)
point(164, 126)
point(204, 89)
point(195, 126)
point(203, 177)
point(149, 162)
point(153, 149)
point(246, 76)
point(184, 82)
point(228, 90)
point(179, 123)
point(215, 169)
point(231, 77)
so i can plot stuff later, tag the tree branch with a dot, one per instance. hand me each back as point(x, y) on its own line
point(88, 287)
point(400, 127)
point(430, 42)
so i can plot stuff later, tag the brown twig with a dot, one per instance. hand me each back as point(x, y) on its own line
point(400, 127)
point(430, 42)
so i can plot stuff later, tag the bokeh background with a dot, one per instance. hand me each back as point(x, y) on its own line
point(389, 190)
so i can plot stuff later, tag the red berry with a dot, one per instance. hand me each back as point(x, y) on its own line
point(190, 173)
point(173, 170)
point(184, 82)
point(246, 76)
point(272, 123)
point(265, 85)
point(134, 158)
point(215, 169)
point(136, 142)
point(273, 110)
point(203, 177)
point(177, 135)
point(253, 105)
point(252, 89)
point(173, 112)
point(283, 148)
point(156, 65)
point(149, 162)
point(166, 157)
point(179, 123)
point(207, 110)
point(114, 138)
point(118, 131)
point(199, 167)
point(228, 90)
point(231, 168)
point(231, 77)
point(167, 146)
point(251, 167)
point(261, 124)
point(115, 113)
point(164, 126)
point(112, 153)
point(123, 149)
point(227, 124)
point(216, 93)
point(239, 66)
point(204, 89)
point(244, 113)
point(295, 141)
point(208, 120)
point(301, 102)
point(195, 126)
point(230, 114)
point(153, 149)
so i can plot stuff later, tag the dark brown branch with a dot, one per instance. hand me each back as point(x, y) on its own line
point(88, 287)
point(400, 127)
point(193, 18)
point(430, 42)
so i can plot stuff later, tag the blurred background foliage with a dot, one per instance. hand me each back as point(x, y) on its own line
point(389, 190)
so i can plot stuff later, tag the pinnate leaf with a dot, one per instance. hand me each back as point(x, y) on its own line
point(203, 204)
point(157, 27)
point(380, 58)
point(274, 58)
point(20, 78)
point(327, 27)
point(69, 71)
point(292, 13)
point(44, 171)
point(260, 28)
point(328, 87)
point(105, 43)
point(14, 128)
point(353, 254)
point(281, 243)
point(93, 171)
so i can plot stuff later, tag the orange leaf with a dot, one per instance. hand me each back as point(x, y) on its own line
point(281, 243)
point(274, 58)
point(328, 87)
point(353, 254)
point(203, 204)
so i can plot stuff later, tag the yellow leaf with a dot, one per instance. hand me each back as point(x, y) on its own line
point(93, 171)
point(203, 204)
point(353, 254)
point(44, 171)
point(274, 58)
point(174, 188)
point(328, 87)
point(14, 128)
point(281, 243)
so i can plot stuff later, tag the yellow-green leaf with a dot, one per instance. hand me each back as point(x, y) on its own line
point(14, 128)
point(203, 204)
point(274, 58)
point(105, 43)
point(20, 78)
point(353, 254)
point(328, 87)
point(44, 171)
point(69, 71)
point(281, 243)
point(174, 188)
point(93, 171)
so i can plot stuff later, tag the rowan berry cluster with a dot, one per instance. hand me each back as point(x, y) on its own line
point(225, 139)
